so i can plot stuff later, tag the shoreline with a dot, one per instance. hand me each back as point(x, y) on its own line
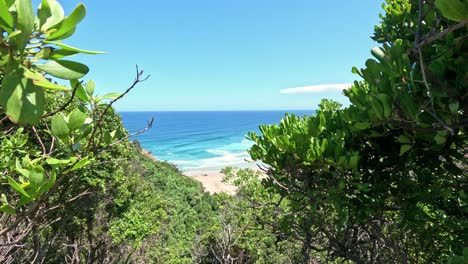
point(212, 177)
point(212, 181)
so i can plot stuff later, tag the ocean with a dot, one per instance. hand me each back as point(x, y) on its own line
point(201, 140)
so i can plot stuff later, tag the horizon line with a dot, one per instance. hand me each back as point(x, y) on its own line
point(233, 110)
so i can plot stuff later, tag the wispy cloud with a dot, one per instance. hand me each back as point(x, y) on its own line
point(316, 88)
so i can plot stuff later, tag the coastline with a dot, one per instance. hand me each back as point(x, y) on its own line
point(212, 177)
point(212, 181)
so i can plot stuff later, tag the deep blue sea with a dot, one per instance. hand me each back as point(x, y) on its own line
point(200, 140)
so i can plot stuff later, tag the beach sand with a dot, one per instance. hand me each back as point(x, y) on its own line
point(212, 181)
point(211, 177)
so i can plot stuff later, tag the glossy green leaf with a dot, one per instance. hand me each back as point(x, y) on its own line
point(90, 87)
point(44, 53)
point(56, 15)
point(404, 149)
point(378, 53)
point(39, 80)
point(80, 91)
point(455, 10)
point(6, 19)
point(68, 24)
point(64, 69)
point(72, 50)
point(21, 100)
point(76, 119)
point(25, 23)
point(58, 54)
point(59, 126)
point(17, 187)
point(83, 162)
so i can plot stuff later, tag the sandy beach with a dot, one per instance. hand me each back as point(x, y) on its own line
point(212, 181)
point(212, 178)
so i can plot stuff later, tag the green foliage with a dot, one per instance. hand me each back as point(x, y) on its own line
point(388, 171)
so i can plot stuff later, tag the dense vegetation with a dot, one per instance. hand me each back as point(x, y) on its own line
point(381, 181)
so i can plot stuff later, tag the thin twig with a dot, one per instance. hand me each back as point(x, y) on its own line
point(67, 103)
point(44, 151)
point(441, 34)
point(137, 80)
point(67, 201)
point(148, 126)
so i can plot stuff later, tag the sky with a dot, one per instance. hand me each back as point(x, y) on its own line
point(225, 55)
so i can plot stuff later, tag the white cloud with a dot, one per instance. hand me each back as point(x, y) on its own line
point(316, 88)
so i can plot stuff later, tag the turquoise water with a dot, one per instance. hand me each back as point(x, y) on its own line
point(200, 140)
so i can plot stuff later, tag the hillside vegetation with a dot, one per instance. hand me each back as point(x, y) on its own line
point(381, 181)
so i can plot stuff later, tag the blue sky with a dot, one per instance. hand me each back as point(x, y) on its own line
point(225, 55)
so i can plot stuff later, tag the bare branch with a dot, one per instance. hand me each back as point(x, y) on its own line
point(44, 151)
point(441, 34)
point(100, 119)
point(67, 103)
point(148, 126)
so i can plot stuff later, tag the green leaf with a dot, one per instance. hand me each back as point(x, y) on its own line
point(24, 172)
point(21, 100)
point(56, 16)
point(36, 176)
point(454, 107)
point(72, 50)
point(13, 34)
point(6, 19)
point(386, 104)
point(43, 12)
point(110, 96)
point(60, 54)
point(51, 182)
point(59, 127)
point(404, 149)
point(90, 87)
point(25, 23)
point(76, 119)
point(6, 208)
point(378, 53)
point(440, 139)
point(52, 161)
point(83, 162)
point(453, 9)
point(17, 187)
point(377, 107)
point(362, 125)
point(354, 162)
point(80, 91)
point(39, 80)
point(64, 69)
point(69, 24)
point(403, 139)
